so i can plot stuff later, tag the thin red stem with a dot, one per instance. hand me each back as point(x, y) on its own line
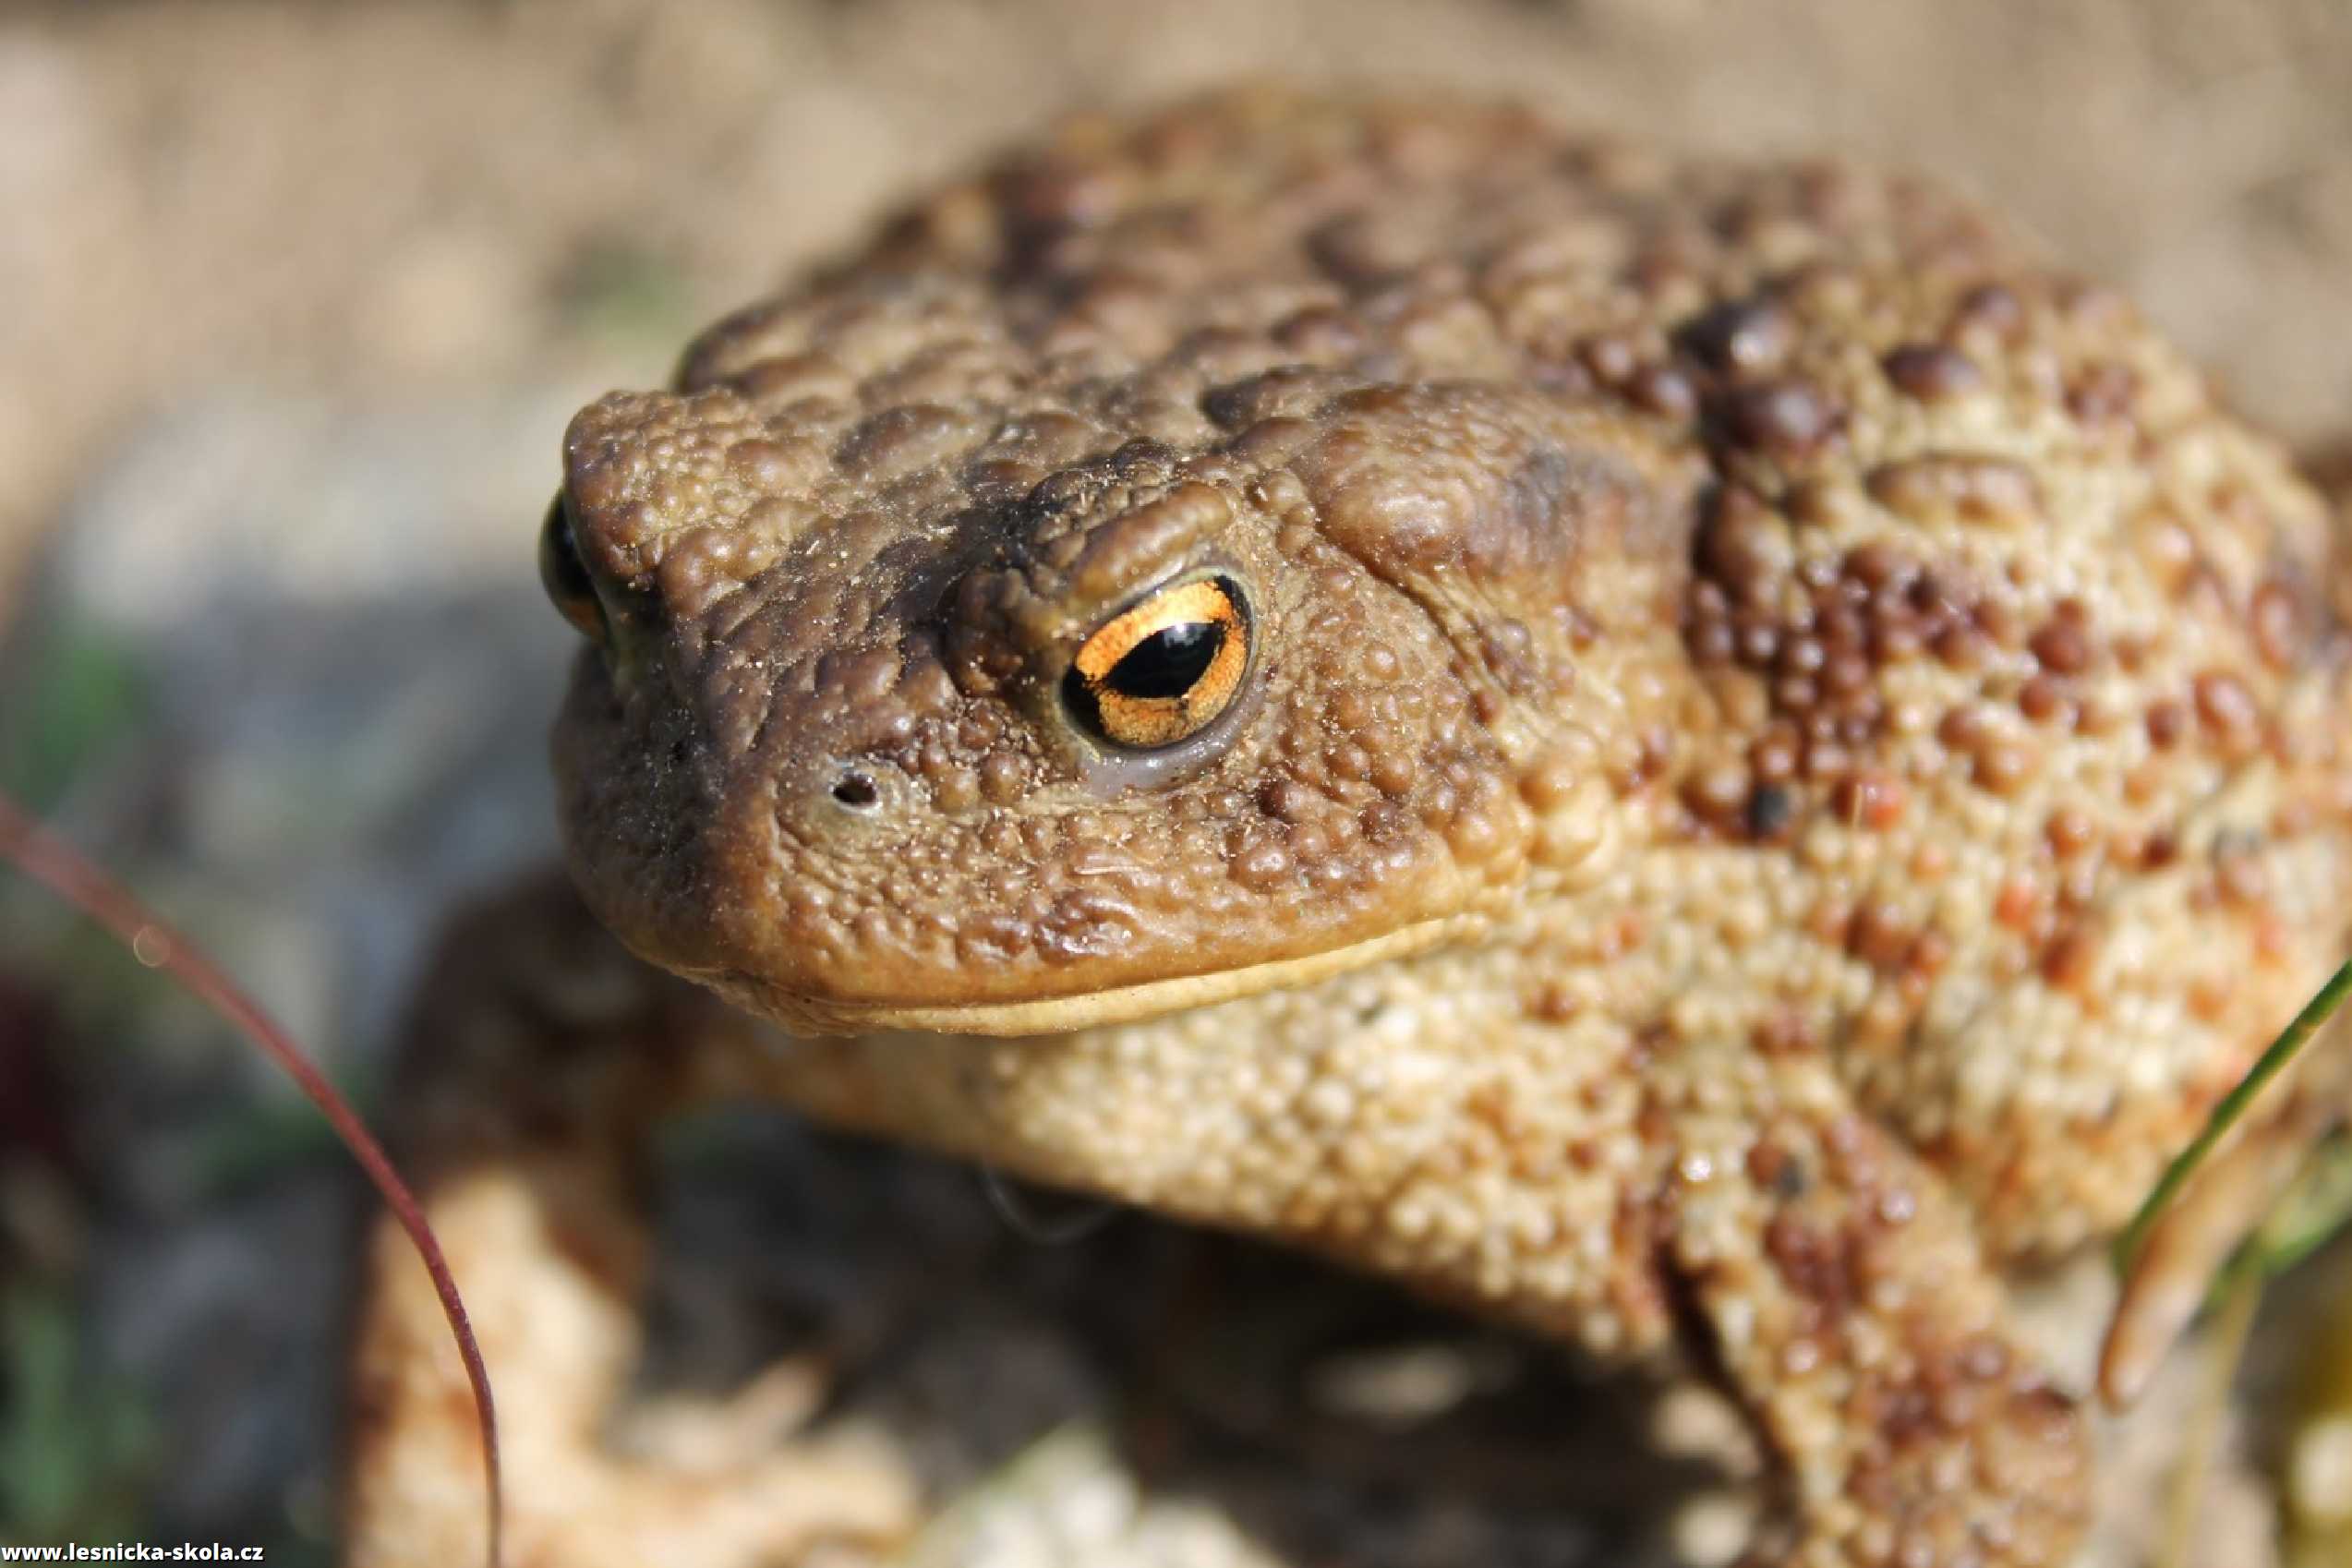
point(54, 863)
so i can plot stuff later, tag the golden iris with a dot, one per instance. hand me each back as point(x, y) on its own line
point(1159, 672)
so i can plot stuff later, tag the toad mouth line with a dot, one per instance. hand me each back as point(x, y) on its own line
point(1054, 1015)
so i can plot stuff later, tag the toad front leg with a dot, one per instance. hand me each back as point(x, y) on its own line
point(1598, 1183)
point(1847, 1300)
point(539, 1061)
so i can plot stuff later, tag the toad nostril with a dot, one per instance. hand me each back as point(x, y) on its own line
point(857, 792)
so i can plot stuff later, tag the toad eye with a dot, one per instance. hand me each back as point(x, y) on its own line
point(1159, 672)
point(565, 576)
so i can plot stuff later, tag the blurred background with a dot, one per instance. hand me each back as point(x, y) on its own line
point(295, 300)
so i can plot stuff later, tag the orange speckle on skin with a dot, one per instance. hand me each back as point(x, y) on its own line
point(1873, 799)
point(2273, 938)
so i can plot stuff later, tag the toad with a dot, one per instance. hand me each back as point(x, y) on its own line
point(1713, 759)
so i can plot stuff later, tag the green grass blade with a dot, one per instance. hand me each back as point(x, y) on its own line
point(2230, 1112)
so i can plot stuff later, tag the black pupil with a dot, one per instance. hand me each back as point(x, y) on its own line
point(1169, 662)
